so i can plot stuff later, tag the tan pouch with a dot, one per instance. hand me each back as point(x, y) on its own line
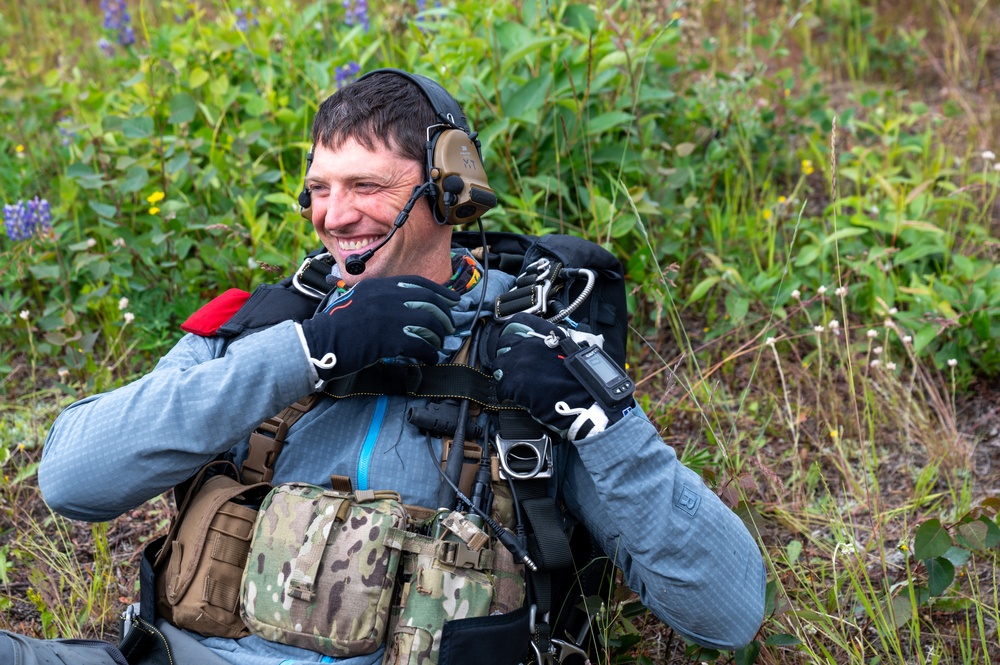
point(199, 569)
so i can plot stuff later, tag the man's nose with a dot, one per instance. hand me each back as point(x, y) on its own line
point(340, 211)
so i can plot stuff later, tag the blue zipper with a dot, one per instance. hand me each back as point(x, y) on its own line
point(368, 447)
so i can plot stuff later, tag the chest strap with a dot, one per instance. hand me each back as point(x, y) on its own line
point(267, 440)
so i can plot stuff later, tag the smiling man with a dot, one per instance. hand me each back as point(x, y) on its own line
point(395, 292)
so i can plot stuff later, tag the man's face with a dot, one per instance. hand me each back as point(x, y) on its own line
point(357, 194)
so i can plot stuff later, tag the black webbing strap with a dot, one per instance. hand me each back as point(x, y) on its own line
point(268, 439)
point(444, 381)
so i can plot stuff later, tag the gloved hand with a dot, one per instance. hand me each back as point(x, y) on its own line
point(379, 318)
point(526, 358)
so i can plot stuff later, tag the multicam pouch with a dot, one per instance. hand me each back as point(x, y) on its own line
point(322, 568)
point(445, 580)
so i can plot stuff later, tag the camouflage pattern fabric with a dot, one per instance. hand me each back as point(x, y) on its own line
point(322, 568)
point(434, 593)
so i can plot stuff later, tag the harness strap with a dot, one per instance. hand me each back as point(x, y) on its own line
point(444, 381)
point(267, 440)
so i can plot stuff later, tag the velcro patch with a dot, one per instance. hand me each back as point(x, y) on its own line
point(688, 501)
point(217, 311)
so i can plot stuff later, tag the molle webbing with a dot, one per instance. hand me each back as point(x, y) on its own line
point(267, 440)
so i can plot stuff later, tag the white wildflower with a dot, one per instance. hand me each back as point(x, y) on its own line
point(25, 314)
point(878, 350)
point(890, 366)
point(907, 339)
point(796, 294)
point(821, 290)
point(818, 329)
point(952, 362)
point(769, 341)
point(91, 242)
point(119, 242)
point(989, 155)
point(129, 317)
point(872, 334)
point(63, 373)
point(876, 362)
point(834, 324)
point(893, 311)
point(996, 166)
point(123, 304)
point(840, 291)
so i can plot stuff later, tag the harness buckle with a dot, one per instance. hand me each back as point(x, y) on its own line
point(304, 288)
point(524, 459)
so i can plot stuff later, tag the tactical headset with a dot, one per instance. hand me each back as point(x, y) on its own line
point(457, 189)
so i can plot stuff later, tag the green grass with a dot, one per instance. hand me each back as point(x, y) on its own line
point(802, 194)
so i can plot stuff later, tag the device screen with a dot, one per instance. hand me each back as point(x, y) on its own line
point(604, 372)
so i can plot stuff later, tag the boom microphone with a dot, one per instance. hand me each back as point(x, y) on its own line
point(355, 263)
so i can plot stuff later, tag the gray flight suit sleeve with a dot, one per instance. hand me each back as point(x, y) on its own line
point(108, 453)
point(688, 556)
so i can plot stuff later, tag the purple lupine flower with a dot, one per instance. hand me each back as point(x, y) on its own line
point(23, 219)
point(347, 73)
point(357, 13)
point(243, 17)
point(117, 18)
point(107, 48)
point(65, 131)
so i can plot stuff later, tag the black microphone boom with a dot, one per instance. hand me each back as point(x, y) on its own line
point(355, 263)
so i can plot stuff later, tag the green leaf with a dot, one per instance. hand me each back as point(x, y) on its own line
point(737, 307)
point(940, 574)
point(178, 162)
point(915, 252)
point(182, 108)
point(43, 272)
point(606, 121)
point(931, 541)
point(807, 255)
point(135, 179)
point(103, 209)
point(702, 288)
point(782, 640)
point(923, 337)
point(959, 556)
point(137, 128)
point(973, 535)
point(849, 232)
point(792, 551)
point(748, 654)
point(282, 198)
point(902, 610)
point(198, 77)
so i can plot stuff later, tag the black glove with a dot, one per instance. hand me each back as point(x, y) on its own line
point(526, 358)
point(379, 318)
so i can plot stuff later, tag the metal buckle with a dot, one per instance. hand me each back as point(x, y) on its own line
point(305, 288)
point(539, 290)
point(537, 451)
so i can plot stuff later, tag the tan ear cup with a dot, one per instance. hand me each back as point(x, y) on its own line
point(464, 193)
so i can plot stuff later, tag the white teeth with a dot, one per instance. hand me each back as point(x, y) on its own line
point(350, 245)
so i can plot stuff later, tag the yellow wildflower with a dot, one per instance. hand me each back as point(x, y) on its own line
point(154, 210)
point(155, 197)
point(676, 16)
point(807, 167)
point(781, 199)
point(19, 148)
point(767, 214)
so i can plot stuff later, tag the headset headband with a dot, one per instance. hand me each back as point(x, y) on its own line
point(446, 109)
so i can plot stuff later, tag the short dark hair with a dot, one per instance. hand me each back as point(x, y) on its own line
point(382, 109)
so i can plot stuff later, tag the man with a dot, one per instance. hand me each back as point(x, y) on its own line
point(688, 557)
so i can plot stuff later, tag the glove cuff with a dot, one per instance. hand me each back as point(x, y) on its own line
point(588, 421)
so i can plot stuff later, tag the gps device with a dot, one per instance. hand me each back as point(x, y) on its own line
point(606, 382)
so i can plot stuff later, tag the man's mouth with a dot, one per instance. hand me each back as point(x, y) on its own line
point(354, 244)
